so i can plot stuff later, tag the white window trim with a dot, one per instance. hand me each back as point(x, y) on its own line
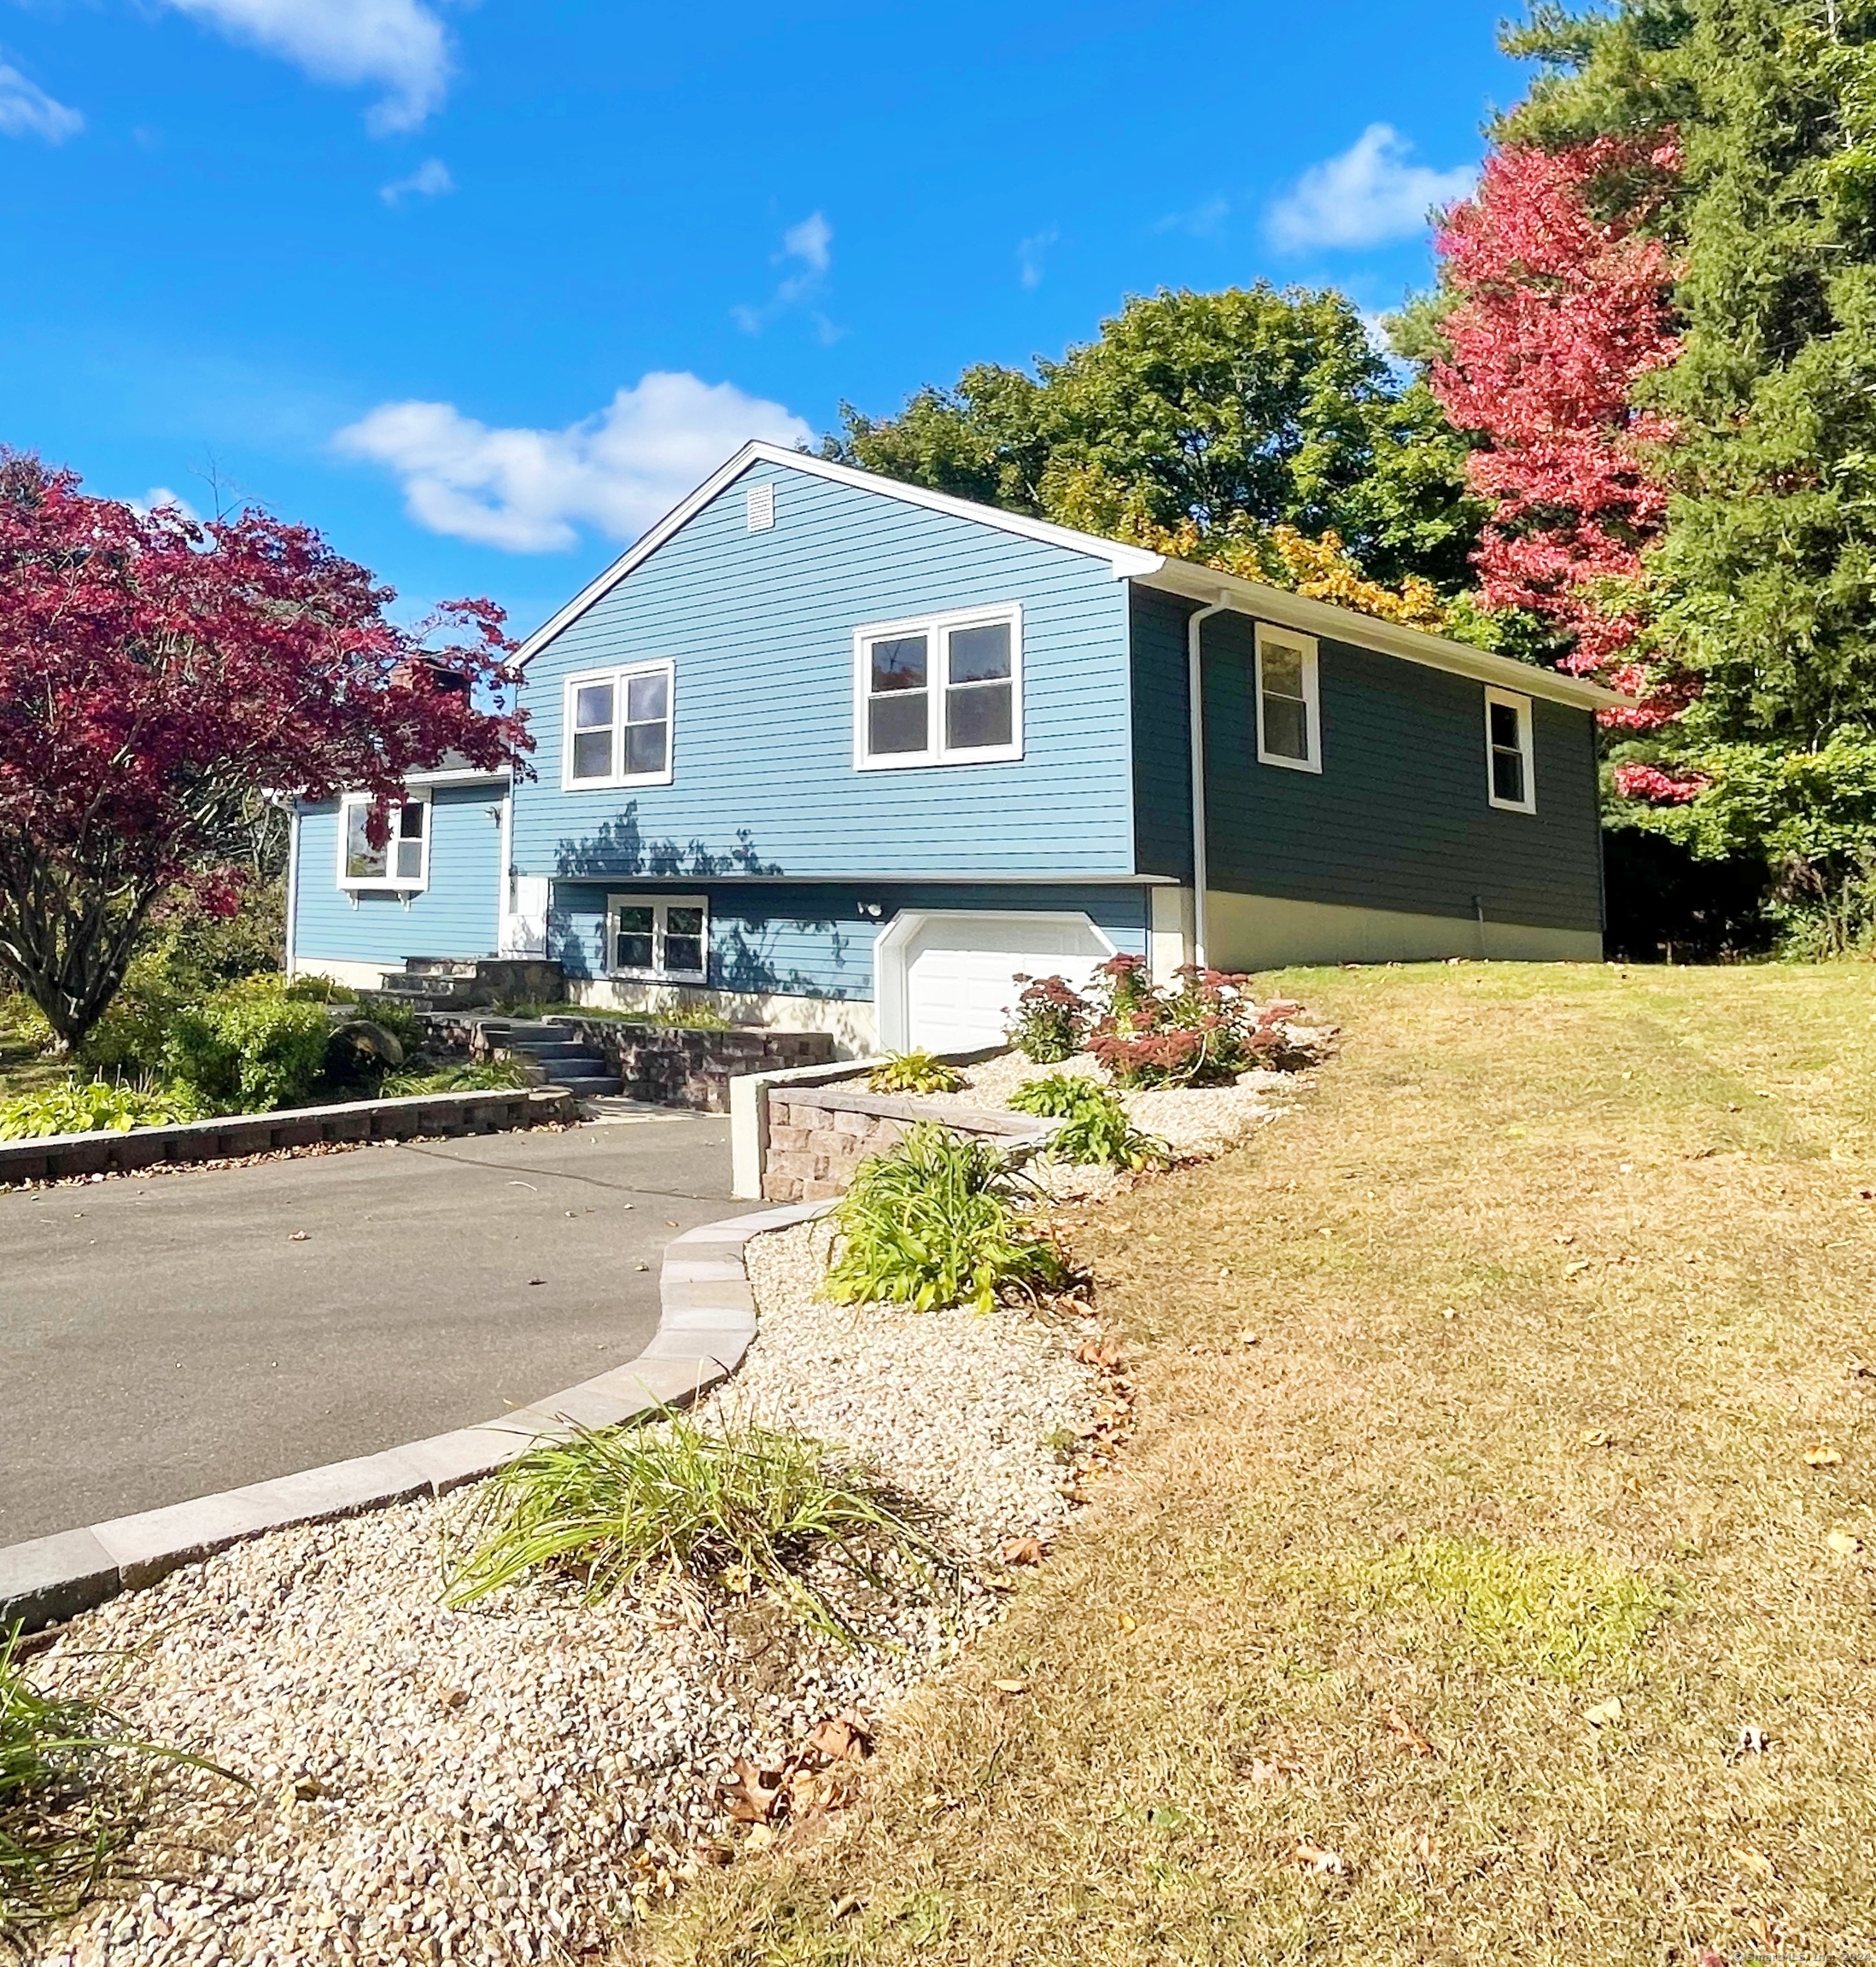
point(618, 677)
point(934, 628)
point(660, 906)
point(1522, 706)
point(1312, 699)
point(389, 882)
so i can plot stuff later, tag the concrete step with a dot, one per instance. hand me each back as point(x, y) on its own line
point(586, 1085)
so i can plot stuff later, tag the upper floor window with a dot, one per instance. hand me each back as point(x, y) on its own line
point(947, 689)
point(400, 861)
point(1289, 705)
point(618, 727)
point(1509, 784)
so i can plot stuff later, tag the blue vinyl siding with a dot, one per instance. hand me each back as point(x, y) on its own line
point(760, 627)
point(459, 914)
point(813, 941)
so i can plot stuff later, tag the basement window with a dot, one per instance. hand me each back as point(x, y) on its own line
point(663, 938)
point(400, 864)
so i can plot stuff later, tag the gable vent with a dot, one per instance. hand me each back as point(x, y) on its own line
point(760, 507)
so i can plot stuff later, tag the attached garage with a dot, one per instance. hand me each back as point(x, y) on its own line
point(945, 978)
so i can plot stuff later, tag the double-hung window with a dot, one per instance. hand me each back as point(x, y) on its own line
point(618, 728)
point(663, 938)
point(399, 862)
point(944, 690)
point(1510, 783)
point(1289, 703)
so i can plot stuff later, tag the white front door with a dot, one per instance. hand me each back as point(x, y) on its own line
point(947, 982)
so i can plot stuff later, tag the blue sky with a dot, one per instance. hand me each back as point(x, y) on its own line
point(479, 289)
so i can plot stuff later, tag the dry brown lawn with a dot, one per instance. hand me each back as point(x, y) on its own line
point(1510, 1600)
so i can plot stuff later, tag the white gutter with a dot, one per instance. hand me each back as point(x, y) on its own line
point(1194, 684)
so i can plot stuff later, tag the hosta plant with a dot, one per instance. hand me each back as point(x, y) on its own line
point(1095, 1130)
point(93, 1106)
point(940, 1220)
point(914, 1072)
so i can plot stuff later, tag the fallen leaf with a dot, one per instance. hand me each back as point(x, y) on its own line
point(1250, 1339)
point(1753, 1742)
point(1426, 1849)
point(452, 1698)
point(842, 1738)
point(1578, 1263)
point(753, 1792)
point(306, 1789)
point(841, 1907)
point(1596, 1437)
point(1449, 1313)
point(1315, 1862)
point(1844, 1543)
point(1260, 1772)
point(760, 1836)
point(1024, 1550)
point(1405, 1733)
point(1010, 1686)
point(1821, 1454)
point(1127, 1622)
point(736, 1580)
point(299, 1236)
point(1605, 1714)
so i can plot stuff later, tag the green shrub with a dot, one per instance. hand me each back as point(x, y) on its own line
point(1095, 1128)
point(939, 1221)
point(914, 1072)
point(307, 989)
point(490, 1076)
point(250, 1048)
point(622, 1506)
point(1050, 1022)
point(93, 1106)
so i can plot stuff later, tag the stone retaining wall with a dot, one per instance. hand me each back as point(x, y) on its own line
point(673, 1065)
point(422, 1115)
point(818, 1135)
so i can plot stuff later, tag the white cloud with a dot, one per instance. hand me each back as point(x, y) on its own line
point(159, 496)
point(400, 44)
point(809, 243)
point(530, 491)
point(430, 179)
point(1203, 221)
point(810, 246)
point(1366, 197)
point(25, 110)
point(1029, 256)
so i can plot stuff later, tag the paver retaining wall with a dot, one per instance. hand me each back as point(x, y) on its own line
point(818, 1135)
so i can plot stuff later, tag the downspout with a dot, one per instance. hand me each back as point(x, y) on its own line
point(293, 882)
point(1195, 663)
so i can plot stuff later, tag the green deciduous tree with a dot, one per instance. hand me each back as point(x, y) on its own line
point(1221, 414)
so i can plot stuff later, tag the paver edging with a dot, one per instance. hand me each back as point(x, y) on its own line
point(706, 1322)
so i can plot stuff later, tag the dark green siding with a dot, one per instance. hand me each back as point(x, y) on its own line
point(1162, 750)
point(1398, 818)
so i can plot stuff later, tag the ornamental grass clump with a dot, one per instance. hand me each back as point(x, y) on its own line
point(620, 1508)
point(1096, 1130)
point(72, 1788)
point(939, 1221)
point(914, 1072)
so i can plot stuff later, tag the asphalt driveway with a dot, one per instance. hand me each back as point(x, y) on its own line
point(165, 1337)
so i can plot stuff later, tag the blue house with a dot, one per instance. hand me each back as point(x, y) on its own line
point(843, 754)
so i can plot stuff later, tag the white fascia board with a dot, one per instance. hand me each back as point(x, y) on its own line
point(462, 775)
point(1127, 563)
point(1325, 618)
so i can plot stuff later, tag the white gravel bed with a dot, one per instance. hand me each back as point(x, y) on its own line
point(492, 1785)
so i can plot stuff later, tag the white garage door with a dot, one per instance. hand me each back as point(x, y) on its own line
point(960, 973)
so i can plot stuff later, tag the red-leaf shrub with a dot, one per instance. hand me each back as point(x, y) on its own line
point(1050, 1020)
point(1206, 1030)
point(157, 677)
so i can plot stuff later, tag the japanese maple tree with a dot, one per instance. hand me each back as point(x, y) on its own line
point(156, 676)
point(1561, 307)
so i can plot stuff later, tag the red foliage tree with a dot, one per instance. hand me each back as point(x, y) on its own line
point(157, 677)
point(1560, 313)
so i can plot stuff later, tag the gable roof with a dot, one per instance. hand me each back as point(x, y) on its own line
point(1180, 577)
